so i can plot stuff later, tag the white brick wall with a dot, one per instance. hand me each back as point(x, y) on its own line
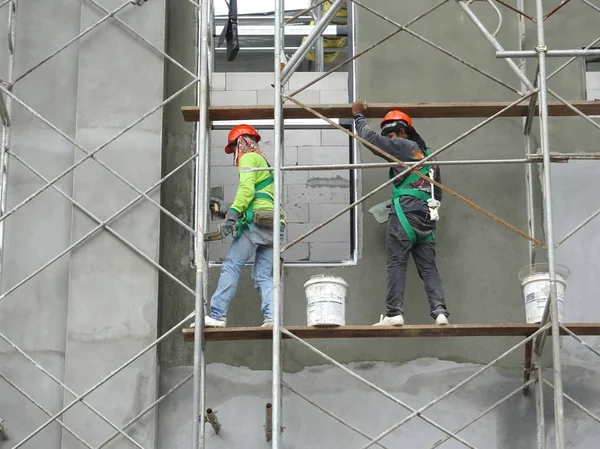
point(309, 197)
point(592, 85)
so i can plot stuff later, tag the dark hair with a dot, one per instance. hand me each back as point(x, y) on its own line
point(412, 134)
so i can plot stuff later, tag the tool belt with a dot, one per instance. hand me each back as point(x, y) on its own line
point(263, 218)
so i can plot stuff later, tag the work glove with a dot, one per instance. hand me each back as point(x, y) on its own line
point(229, 224)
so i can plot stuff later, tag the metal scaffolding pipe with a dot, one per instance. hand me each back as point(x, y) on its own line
point(549, 53)
point(575, 403)
point(305, 47)
point(420, 411)
point(594, 42)
point(73, 40)
point(307, 10)
point(201, 212)
point(103, 381)
point(549, 218)
point(486, 411)
point(518, 9)
point(7, 129)
point(591, 5)
point(68, 390)
point(319, 44)
point(277, 393)
point(557, 8)
point(432, 155)
point(528, 168)
point(576, 337)
point(5, 118)
point(375, 45)
point(494, 42)
point(4, 436)
point(331, 414)
point(539, 407)
point(147, 409)
point(211, 418)
point(531, 159)
point(90, 154)
point(437, 47)
point(91, 233)
point(98, 220)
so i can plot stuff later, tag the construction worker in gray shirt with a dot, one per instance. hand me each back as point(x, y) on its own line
point(413, 214)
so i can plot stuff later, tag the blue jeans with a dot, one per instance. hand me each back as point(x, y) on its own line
point(254, 241)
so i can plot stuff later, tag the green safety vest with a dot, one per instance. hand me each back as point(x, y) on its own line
point(247, 216)
point(402, 190)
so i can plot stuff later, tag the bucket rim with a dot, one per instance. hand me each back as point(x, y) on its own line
point(542, 268)
point(333, 279)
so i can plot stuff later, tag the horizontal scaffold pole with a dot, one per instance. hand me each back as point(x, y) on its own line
point(415, 110)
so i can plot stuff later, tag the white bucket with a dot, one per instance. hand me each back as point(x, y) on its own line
point(535, 283)
point(326, 298)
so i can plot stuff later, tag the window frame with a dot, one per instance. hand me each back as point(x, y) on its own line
point(584, 66)
point(353, 157)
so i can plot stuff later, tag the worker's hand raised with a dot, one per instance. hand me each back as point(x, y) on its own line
point(359, 107)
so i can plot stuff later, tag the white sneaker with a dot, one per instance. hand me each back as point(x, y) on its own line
point(210, 322)
point(441, 319)
point(397, 320)
point(267, 324)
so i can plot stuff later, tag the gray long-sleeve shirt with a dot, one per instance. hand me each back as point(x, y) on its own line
point(405, 150)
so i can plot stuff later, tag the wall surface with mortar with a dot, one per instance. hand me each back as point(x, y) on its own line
point(36, 233)
point(477, 257)
point(96, 307)
point(478, 260)
point(98, 311)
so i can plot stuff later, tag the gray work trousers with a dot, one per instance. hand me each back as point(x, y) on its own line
point(399, 247)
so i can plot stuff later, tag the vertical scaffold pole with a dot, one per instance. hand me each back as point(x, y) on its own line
point(201, 206)
point(527, 140)
point(541, 49)
point(6, 129)
point(277, 297)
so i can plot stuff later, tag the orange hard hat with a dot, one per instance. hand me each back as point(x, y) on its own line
point(237, 131)
point(396, 115)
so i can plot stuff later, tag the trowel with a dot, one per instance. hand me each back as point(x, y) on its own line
point(381, 211)
point(213, 236)
point(216, 213)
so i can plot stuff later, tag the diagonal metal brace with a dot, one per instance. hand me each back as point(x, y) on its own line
point(4, 111)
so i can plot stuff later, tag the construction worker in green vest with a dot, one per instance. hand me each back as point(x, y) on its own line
point(413, 214)
point(250, 220)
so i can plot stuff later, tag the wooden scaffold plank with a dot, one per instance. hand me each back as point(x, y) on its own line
point(415, 110)
point(416, 330)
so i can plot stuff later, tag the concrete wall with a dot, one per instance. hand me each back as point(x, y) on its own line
point(239, 395)
point(34, 316)
point(96, 307)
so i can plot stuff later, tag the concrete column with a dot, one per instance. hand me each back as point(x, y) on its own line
point(34, 316)
point(113, 297)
